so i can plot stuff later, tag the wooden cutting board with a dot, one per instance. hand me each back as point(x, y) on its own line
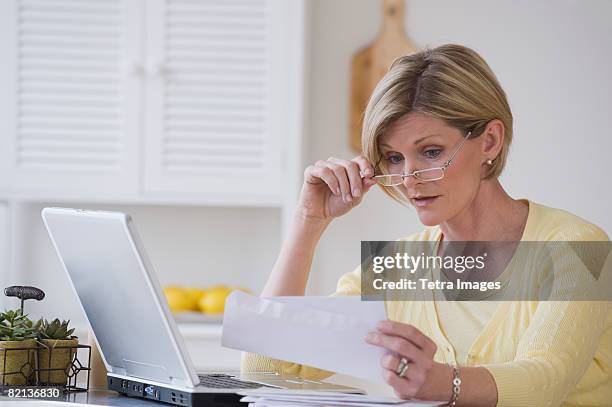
point(369, 64)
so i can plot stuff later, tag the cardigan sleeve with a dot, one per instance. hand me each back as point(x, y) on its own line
point(349, 284)
point(558, 346)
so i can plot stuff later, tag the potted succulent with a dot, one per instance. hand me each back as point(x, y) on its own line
point(56, 352)
point(16, 331)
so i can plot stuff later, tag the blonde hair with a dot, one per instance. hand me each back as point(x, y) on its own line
point(452, 83)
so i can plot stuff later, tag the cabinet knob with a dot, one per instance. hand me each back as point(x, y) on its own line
point(132, 68)
point(156, 69)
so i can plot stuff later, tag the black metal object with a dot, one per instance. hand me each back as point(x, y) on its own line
point(24, 292)
point(142, 389)
point(33, 374)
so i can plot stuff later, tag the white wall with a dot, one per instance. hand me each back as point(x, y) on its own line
point(554, 60)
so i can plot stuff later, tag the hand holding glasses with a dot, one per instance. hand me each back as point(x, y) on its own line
point(334, 186)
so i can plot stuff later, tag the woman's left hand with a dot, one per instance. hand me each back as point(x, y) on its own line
point(404, 340)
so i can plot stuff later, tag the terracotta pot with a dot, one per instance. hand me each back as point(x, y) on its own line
point(19, 363)
point(55, 354)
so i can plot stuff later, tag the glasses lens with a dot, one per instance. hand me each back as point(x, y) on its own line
point(388, 180)
point(431, 174)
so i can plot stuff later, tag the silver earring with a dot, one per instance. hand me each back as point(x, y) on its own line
point(489, 161)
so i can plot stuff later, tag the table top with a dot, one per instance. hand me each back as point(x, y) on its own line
point(95, 397)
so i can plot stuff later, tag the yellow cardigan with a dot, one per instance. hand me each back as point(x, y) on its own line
point(547, 353)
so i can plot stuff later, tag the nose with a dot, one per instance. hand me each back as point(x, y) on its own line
point(410, 180)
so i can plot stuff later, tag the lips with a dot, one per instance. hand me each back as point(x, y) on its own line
point(422, 201)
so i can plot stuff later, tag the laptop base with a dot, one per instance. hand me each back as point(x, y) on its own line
point(136, 388)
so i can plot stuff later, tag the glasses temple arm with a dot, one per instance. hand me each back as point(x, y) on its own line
point(447, 163)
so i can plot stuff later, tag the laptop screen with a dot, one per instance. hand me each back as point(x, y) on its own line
point(120, 295)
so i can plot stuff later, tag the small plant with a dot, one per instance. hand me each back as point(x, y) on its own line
point(24, 342)
point(57, 351)
point(17, 347)
point(54, 329)
point(15, 326)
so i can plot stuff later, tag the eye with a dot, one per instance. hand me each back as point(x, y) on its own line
point(394, 159)
point(432, 152)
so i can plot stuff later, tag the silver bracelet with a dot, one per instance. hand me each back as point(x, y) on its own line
point(456, 386)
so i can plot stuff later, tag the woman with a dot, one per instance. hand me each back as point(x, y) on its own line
point(444, 109)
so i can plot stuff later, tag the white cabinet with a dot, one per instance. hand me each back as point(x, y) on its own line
point(217, 97)
point(144, 102)
point(69, 110)
point(157, 100)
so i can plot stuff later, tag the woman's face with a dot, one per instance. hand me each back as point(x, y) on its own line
point(417, 142)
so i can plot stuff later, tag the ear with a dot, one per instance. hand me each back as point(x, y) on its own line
point(492, 139)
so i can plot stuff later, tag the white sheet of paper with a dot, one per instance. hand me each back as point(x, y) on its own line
point(314, 395)
point(266, 392)
point(323, 332)
point(311, 397)
point(307, 402)
point(302, 403)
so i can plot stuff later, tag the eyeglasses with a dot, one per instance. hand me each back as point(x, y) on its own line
point(426, 175)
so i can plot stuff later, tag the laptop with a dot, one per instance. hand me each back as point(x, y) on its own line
point(139, 342)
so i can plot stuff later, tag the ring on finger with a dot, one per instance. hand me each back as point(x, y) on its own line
point(402, 367)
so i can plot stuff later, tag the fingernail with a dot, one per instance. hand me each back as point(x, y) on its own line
point(348, 198)
point(356, 192)
point(368, 171)
point(370, 336)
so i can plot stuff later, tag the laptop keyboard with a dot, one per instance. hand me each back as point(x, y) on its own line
point(221, 381)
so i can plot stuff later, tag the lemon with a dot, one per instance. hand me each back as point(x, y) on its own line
point(196, 293)
point(179, 299)
point(213, 302)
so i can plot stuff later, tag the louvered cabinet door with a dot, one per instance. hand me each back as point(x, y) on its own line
point(218, 99)
point(69, 100)
point(4, 243)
